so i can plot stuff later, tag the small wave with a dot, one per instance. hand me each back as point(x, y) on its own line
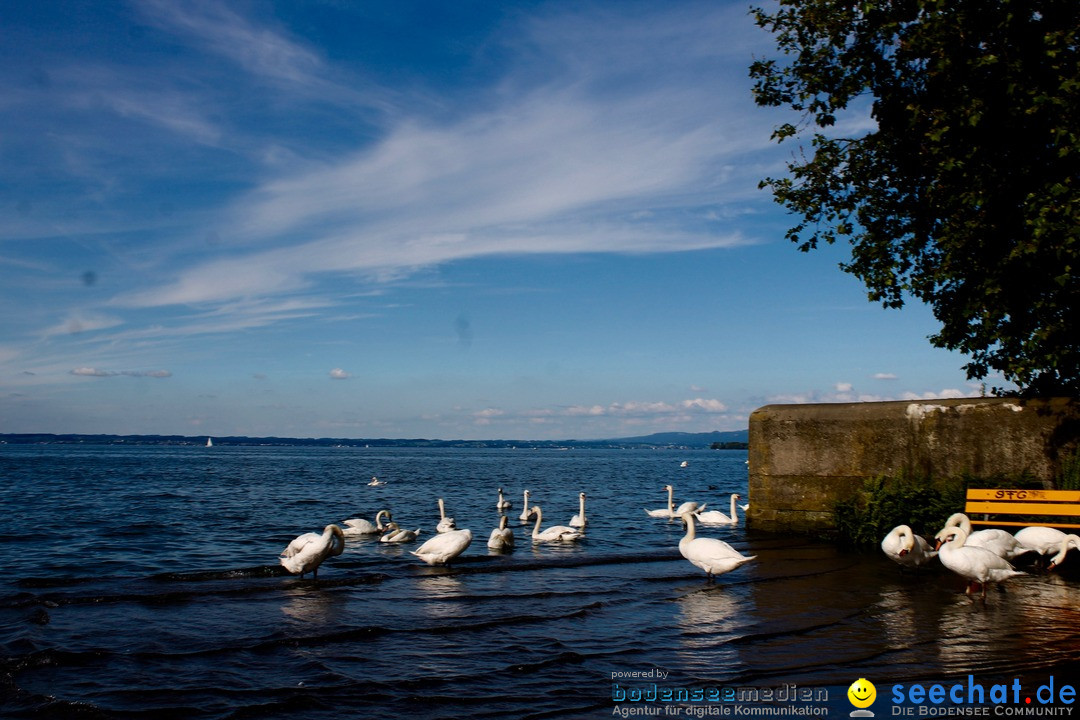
point(52, 582)
point(181, 596)
point(230, 574)
point(495, 564)
point(564, 658)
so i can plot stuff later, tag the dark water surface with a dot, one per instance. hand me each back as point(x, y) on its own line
point(143, 582)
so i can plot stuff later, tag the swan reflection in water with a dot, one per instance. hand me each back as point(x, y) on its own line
point(441, 596)
point(909, 611)
point(313, 605)
point(1033, 619)
point(707, 620)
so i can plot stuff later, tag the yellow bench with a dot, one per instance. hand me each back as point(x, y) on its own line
point(1060, 504)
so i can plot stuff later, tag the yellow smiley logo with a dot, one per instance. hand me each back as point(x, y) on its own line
point(862, 693)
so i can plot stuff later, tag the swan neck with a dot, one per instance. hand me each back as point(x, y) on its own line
point(961, 521)
point(336, 538)
point(690, 533)
point(670, 499)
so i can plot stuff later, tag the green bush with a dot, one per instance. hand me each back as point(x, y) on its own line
point(883, 503)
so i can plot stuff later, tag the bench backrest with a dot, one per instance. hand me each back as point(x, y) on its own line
point(1000, 501)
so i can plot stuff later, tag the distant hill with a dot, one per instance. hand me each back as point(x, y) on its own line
point(682, 439)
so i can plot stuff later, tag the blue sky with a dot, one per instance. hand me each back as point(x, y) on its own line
point(314, 218)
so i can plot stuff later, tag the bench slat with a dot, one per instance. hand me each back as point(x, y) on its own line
point(1023, 508)
point(1013, 523)
point(1015, 495)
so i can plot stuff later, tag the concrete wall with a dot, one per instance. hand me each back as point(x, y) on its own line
point(806, 458)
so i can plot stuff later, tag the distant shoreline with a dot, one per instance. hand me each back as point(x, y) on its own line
point(732, 440)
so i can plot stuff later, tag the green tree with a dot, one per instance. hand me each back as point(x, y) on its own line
point(965, 193)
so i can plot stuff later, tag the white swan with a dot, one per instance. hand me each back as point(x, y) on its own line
point(526, 512)
point(715, 517)
point(684, 463)
point(355, 527)
point(977, 565)
point(579, 520)
point(999, 542)
point(444, 547)
point(307, 551)
point(905, 548)
point(502, 537)
point(1040, 539)
point(1070, 541)
point(376, 482)
point(394, 534)
point(671, 512)
point(502, 504)
point(713, 556)
point(446, 524)
point(555, 533)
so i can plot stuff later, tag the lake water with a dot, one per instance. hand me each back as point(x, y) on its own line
point(143, 582)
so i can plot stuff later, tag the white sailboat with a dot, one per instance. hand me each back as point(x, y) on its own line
point(209, 442)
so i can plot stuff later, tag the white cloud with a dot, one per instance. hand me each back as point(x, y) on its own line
point(339, 374)
point(97, 372)
point(945, 393)
point(845, 394)
point(712, 406)
point(91, 372)
point(584, 411)
point(487, 415)
point(884, 376)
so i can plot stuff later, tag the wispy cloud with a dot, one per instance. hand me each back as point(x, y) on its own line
point(258, 50)
point(569, 159)
point(80, 322)
point(264, 52)
point(98, 372)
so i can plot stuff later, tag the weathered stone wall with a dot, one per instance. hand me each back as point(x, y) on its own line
point(806, 458)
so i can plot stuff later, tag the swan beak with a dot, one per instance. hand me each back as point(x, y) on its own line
point(903, 552)
point(938, 544)
point(1051, 566)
